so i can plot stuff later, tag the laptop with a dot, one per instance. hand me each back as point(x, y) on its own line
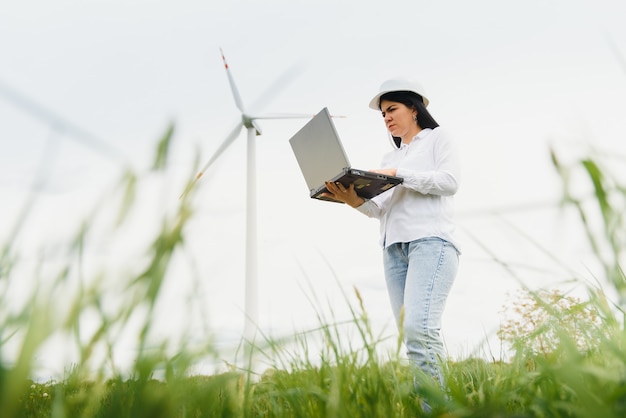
point(321, 157)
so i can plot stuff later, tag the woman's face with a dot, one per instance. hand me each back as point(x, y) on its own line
point(399, 119)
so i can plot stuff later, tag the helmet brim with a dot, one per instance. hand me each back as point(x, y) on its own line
point(375, 102)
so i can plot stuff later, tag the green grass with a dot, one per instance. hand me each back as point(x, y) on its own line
point(567, 355)
point(568, 384)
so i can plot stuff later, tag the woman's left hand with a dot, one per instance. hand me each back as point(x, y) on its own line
point(340, 193)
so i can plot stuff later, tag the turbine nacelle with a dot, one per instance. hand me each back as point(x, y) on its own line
point(249, 122)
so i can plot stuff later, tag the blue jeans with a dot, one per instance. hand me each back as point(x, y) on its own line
point(419, 277)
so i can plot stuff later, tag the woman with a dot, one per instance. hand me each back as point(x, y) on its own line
point(420, 252)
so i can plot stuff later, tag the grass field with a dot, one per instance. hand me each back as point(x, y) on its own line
point(567, 354)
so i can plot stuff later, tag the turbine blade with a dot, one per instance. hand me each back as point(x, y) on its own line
point(60, 124)
point(288, 116)
point(282, 116)
point(278, 85)
point(233, 86)
point(225, 144)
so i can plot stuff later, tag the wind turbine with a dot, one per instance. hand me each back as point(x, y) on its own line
point(248, 121)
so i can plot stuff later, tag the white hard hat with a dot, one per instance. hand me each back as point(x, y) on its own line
point(398, 84)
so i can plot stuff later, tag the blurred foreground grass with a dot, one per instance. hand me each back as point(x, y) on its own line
point(568, 355)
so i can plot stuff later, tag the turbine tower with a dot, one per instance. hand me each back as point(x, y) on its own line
point(249, 122)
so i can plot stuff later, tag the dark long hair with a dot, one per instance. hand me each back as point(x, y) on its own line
point(412, 101)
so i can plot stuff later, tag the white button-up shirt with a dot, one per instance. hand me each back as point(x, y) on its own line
point(422, 206)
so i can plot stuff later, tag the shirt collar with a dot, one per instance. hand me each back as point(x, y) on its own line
point(420, 135)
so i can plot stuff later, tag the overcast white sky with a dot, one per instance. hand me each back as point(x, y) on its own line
point(505, 78)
